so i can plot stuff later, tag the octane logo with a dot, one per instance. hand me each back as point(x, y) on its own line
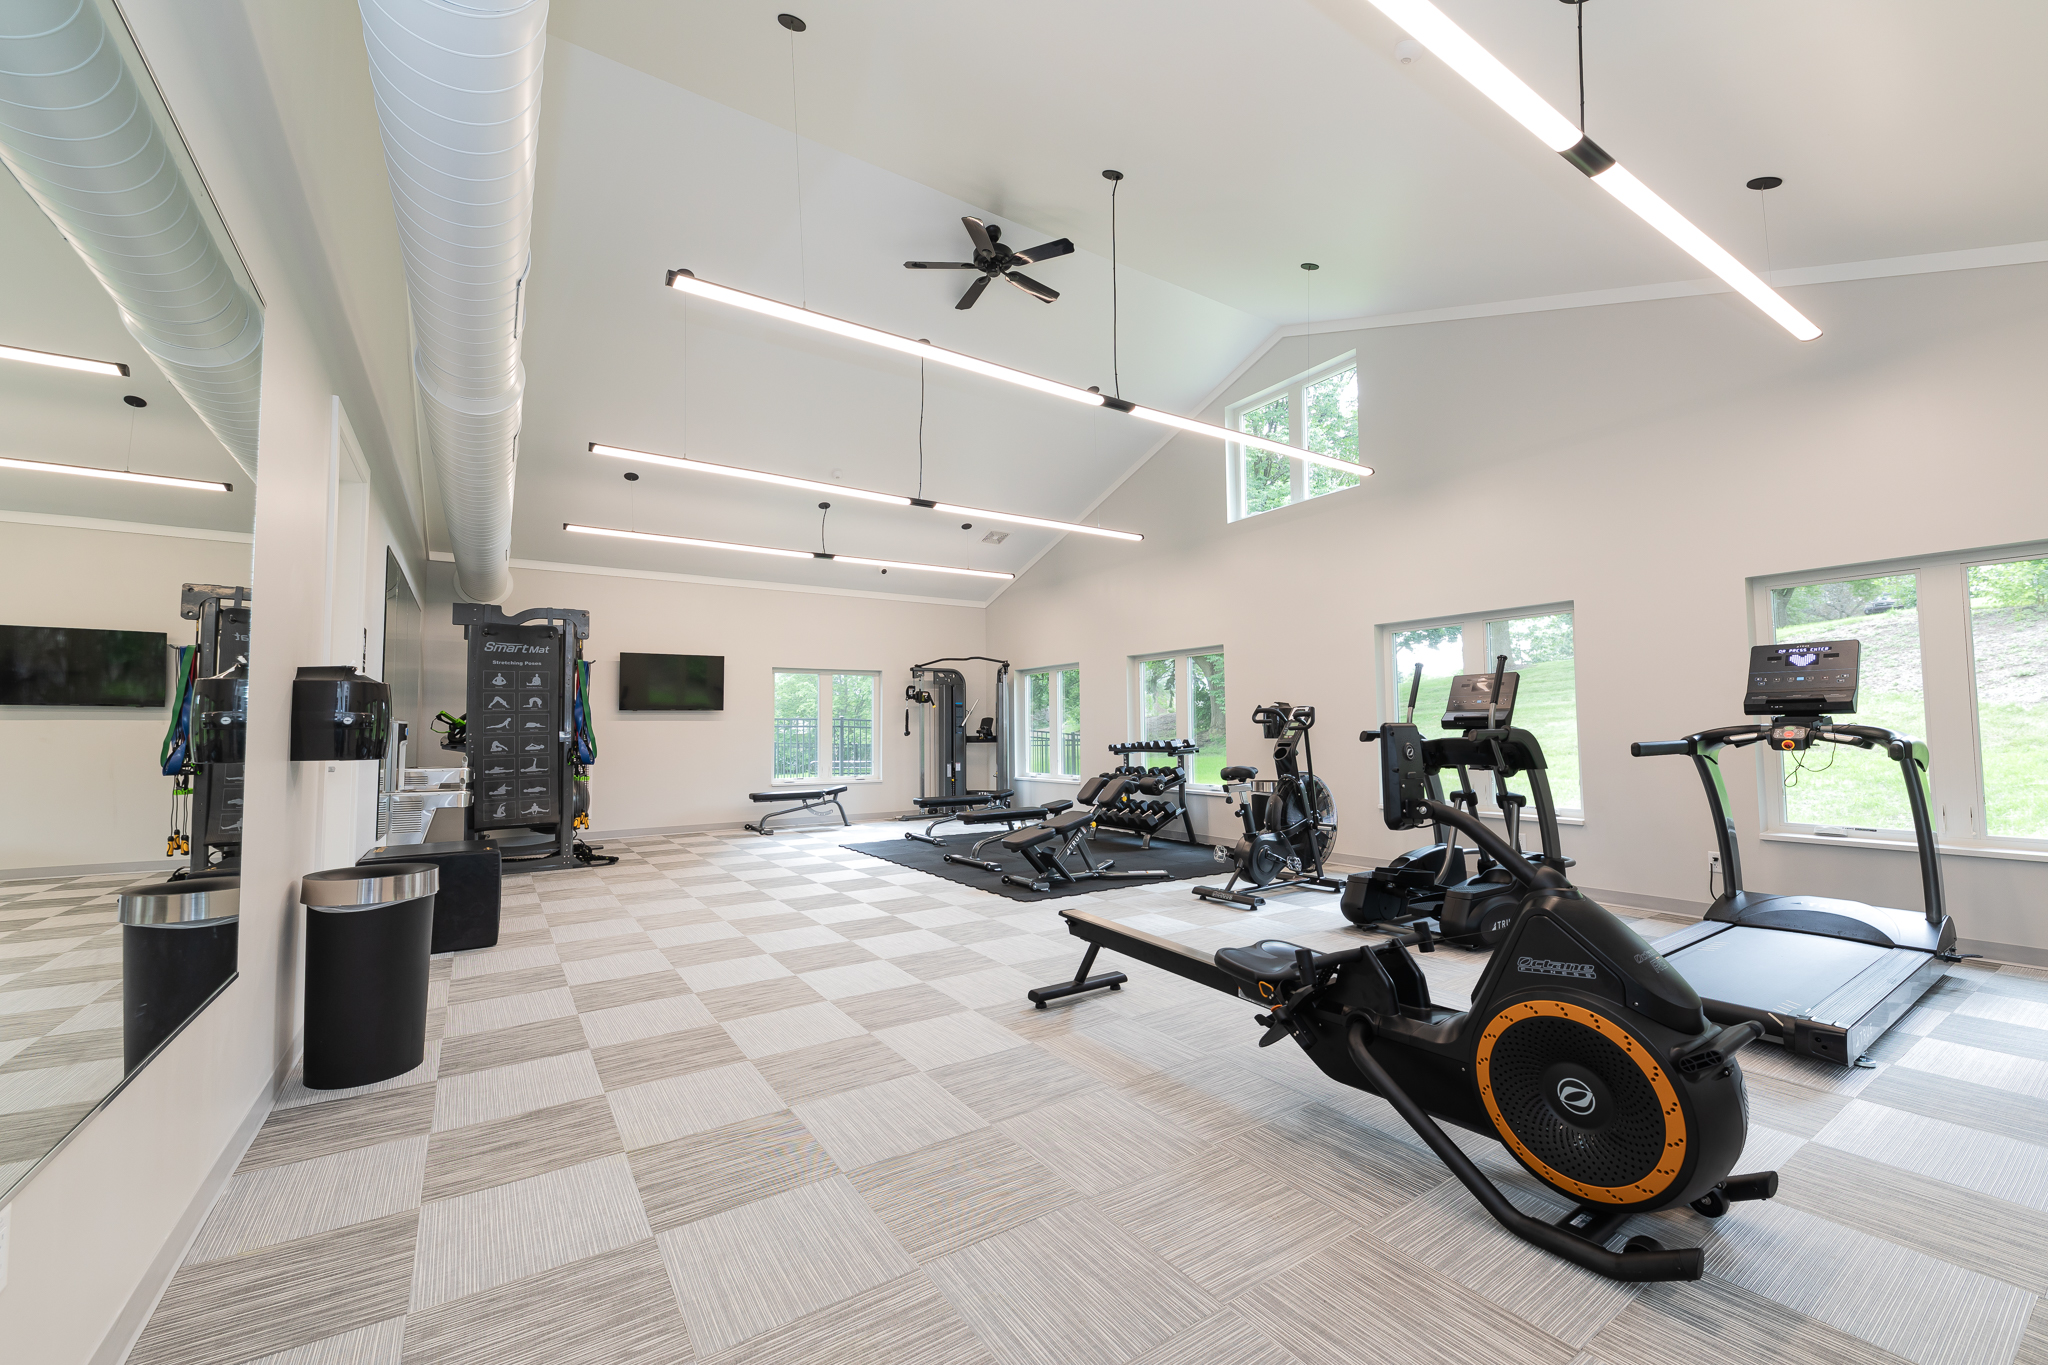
point(1543, 966)
point(1575, 1095)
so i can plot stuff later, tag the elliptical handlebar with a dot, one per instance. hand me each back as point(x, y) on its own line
point(1534, 876)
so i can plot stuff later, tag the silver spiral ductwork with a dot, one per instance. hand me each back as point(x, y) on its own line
point(458, 100)
point(76, 132)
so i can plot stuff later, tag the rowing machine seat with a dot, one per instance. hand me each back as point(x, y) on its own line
point(1269, 960)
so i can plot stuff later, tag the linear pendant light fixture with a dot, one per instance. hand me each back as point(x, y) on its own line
point(781, 553)
point(111, 368)
point(162, 480)
point(688, 283)
point(1457, 49)
point(893, 499)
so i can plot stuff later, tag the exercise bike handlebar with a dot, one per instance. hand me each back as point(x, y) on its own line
point(1682, 1263)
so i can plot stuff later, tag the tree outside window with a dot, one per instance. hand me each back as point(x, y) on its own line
point(843, 746)
point(1181, 697)
point(1317, 411)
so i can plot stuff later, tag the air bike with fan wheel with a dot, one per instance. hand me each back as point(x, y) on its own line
point(1584, 1053)
point(1290, 820)
point(1825, 977)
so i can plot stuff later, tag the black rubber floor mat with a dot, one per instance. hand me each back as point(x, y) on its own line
point(1178, 860)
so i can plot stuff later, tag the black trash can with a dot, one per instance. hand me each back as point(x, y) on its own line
point(178, 944)
point(369, 934)
point(466, 905)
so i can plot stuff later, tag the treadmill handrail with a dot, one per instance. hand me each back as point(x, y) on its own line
point(1909, 753)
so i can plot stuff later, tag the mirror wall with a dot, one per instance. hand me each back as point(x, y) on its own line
point(123, 597)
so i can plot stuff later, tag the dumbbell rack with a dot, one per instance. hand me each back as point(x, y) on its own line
point(1158, 797)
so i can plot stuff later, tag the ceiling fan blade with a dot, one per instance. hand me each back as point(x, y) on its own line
point(982, 241)
point(940, 265)
point(1031, 286)
point(973, 292)
point(1045, 253)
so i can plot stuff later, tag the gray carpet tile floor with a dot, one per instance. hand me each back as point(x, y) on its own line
point(773, 1101)
point(60, 1009)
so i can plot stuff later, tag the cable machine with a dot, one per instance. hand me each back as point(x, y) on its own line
point(939, 696)
point(203, 751)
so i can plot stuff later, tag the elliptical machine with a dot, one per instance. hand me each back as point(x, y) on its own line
point(1583, 1053)
point(1473, 912)
point(1290, 822)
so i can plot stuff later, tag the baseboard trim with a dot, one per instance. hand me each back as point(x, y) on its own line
point(166, 866)
point(127, 1328)
point(2016, 953)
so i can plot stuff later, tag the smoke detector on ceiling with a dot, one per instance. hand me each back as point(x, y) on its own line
point(995, 537)
point(1406, 51)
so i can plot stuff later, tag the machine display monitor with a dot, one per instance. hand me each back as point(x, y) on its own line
point(1809, 678)
point(1467, 707)
point(56, 666)
point(671, 682)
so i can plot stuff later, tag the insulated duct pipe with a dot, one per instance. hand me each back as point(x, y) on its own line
point(458, 101)
point(77, 134)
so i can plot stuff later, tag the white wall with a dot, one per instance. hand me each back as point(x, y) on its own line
point(1642, 461)
point(97, 1233)
point(92, 793)
point(670, 770)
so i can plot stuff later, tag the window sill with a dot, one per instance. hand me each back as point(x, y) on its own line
point(824, 781)
point(1049, 781)
point(2012, 852)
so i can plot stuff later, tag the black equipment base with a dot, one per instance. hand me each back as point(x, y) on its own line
point(1178, 861)
point(1251, 898)
point(1080, 985)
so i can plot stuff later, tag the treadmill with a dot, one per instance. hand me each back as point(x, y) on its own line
point(1824, 977)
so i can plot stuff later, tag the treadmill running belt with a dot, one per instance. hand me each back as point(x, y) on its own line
point(1770, 969)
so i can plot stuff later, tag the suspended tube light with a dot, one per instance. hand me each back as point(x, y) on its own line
point(161, 480)
point(684, 281)
point(1456, 48)
point(111, 368)
point(694, 543)
point(893, 499)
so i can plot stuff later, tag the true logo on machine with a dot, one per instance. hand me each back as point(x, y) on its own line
point(1544, 966)
point(1575, 1095)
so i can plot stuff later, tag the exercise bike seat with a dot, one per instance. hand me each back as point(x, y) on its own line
point(1238, 774)
point(1270, 960)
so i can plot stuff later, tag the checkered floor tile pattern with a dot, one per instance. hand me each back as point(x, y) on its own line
point(770, 1101)
point(60, 1010)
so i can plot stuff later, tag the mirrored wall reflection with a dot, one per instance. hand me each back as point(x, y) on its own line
point(125, 527)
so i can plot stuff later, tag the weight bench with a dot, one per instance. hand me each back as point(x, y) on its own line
point(947, 809)
point(1009, 818)
point(1044, 846)
point(813, 798)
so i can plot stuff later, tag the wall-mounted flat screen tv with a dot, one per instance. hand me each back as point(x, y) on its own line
point(57, 666)
point(671, 682)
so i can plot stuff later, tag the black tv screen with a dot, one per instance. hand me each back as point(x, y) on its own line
point(671, 682)
point(55, 666)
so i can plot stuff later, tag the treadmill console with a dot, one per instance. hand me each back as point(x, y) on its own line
point(1809, 679)
point(1465, 709)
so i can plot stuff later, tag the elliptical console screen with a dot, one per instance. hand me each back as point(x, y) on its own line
point(1812, 678)
point(1465, 708)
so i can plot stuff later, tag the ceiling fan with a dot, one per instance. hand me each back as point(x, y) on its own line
point(997, 262)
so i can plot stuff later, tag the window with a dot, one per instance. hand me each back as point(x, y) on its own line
point(1052, 722)
point(1955, 652)
point(1539, 647)
point(1317, 411)
point(843, 747)
point(1180, 696)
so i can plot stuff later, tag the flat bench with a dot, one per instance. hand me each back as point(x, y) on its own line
point(945, 810)
point(813, 798)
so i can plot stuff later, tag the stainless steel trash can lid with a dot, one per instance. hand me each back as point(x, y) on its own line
point(365, 888)
point(171, 905)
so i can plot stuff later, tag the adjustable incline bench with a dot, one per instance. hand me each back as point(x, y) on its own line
point(947, 809)
point(813, 798)
point(1043, 846)
point(1009, 818)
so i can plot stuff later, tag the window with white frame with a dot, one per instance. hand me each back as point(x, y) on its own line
point(825, 726)
point(1538, 643)
point(1180, 697)
point(1050, 738)
point(1954, 650)
point(1318, 411)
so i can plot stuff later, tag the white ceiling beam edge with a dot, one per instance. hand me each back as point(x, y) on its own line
point(693, 543)
point(1458, 50)
point(892, 499)
point(688, 283)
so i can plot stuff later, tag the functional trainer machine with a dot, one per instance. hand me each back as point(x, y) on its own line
point(202, 754)
point(939, 696)
point(1474, 911)
point(528, 734)
point(1290, 821)
point(1824, 977)
point(1584, 1053)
